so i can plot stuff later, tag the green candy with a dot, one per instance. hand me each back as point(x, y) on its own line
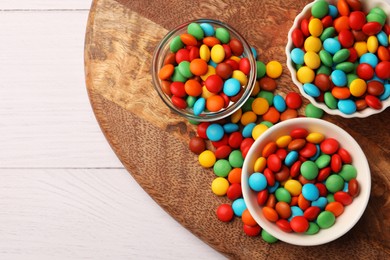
point(298, 66)
point(261, 69)
point(323, 69)
point(323, 161)
point(267, 123)
point(235, 159)
point(269, 96)
point(330, 198)
point(334, 183)
point(191, 101)
point(282, 194)
point(309, 170)
point(222, 34)
point(313, 229)
point(320, 9)
point(326, 58)
point(267, 237)
point(327, 33)
point(345, 66)
point(330, 100)
point(222, 168)
point(348, 172)
point(325, 219)
point(351, 77)
point(378, 10)
point(177, 76)
point(374, 17)
point(184, 69)
point(195, 30)
point(341, 55)
point(312, 111)
point(248, 105)
point(176, 44)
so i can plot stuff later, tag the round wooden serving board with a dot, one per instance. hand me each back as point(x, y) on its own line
point(152, 142)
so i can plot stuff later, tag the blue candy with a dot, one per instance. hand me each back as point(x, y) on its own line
point(199, 106)
point(339, 78)
point(272, 189)
point(208, 29)
point(346, 106)
point(247, 130)
point(254, 52)
point(385, 95)
point(231, 87)
point(311, 89)
point(279, 103)
point(257, 181)
point(215, 132)
point(318, 153)
point(291, 158)
point(370, 59)
point(332, 45)
point(310, 192)
point(382, 39)
point(297, 56)
point(230, 128)
point(295, 211)
point(238, 207)
point(320, 202)
point(333, 11)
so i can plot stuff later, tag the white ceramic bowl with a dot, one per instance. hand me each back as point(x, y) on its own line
point(352, 212)
point(306, 13)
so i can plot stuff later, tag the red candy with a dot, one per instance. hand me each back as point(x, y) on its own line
point(329, 146)
point(225, 212)
point(382, 70)
point(297, 38)
point(372, 28)
point(356, 20)
point(299, 224)
point(365, 71)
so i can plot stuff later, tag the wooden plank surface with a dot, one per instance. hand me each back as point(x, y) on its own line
point(63, 192)
point(152, 142)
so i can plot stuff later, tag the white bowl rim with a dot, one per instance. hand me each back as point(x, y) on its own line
point(360, 114)
point(354, 211)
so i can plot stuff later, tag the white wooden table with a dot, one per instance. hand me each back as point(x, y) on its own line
point(63, 192)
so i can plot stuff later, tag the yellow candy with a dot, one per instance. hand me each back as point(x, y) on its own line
point(258, 130)
point(283, 141)
point(204, 52)
point(217, 53)
point(219, 186)
point(236, 116)
point(312, 60)
point(313, 44)
point(361, 48)
point(372, 44)
point(260, 164)
point(210, 71)
point(206, 93)
point(248, 117)
point(260, 106)
point(315, 138)
point(315, 27)
point(256, 89)
point(294, 187)
point(305, 75)
point(274, 69)
point(358, 87)
point(240, 76)
point(207, 159)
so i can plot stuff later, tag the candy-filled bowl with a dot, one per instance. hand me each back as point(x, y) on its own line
point(306, 181)
point(204, 70)
point(338, 56)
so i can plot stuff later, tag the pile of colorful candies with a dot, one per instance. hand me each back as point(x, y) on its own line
point(303, 181)
point(223, 145)
point(206, 69)
point(342, 55)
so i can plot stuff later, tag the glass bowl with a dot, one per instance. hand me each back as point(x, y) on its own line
point(306, 13)
point(163, 49)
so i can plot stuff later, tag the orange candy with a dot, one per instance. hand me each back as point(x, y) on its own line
point(235, 175)
point(302, 202)
point(188, 39)
point(272, 115)
point(247, 218)
point(341, 92)
point(270, 214)
point(211, 41)
point(269, 149)
point(215, 103)
point(166, 71)
point(343, 8)
point(341, 23)
point(198, 67)
point(335, 207)
point(193, 87)
point(383, 53)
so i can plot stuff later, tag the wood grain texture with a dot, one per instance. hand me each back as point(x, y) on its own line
point(152, 142)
